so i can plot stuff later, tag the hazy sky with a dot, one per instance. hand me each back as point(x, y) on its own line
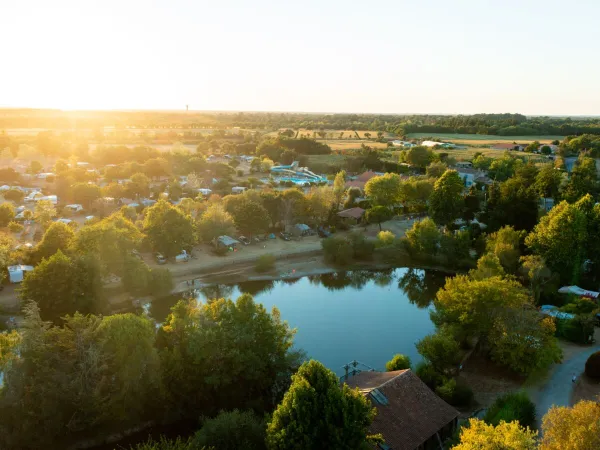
point(444, 56)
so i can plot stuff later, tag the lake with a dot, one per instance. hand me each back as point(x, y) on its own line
point(361, 315)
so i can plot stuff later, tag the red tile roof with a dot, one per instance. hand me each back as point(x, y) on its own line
point(366, 176)
point(413, 414)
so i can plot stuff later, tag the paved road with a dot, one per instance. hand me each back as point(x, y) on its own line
point(557, 390)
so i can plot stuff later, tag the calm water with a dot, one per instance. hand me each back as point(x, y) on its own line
point(360, 315)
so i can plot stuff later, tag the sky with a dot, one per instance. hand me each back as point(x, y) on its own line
point(378, 56)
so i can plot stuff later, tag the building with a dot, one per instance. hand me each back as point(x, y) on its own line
point(508, 146)
point(404, 144)
point(463, 164)
point(409, 415)
point(470, 175)
point(360, 180)
point(353, 215)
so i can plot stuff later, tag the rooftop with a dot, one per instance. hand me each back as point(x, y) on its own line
point(410, 412)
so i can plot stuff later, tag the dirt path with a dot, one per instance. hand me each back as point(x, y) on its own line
point(557, 389)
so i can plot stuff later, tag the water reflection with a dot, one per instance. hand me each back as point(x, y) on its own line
point(420, 286)
point(367, 315)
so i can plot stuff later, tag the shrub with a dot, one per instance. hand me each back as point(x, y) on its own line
point(398, 362)
point(15, 227)
point(240, 173)
point(509, 407)
point(592, 365)
point(385, 239)
point(580, 306)
point(428, 375)
point(456, 394)
point(265, 263)
point(231, 431)
point(576, 330)
point(362, 248)
point(337, 250)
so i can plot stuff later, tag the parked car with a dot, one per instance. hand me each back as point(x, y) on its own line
point(160, 258)
point(285, 236)
point(323, 232)
point(244, 240)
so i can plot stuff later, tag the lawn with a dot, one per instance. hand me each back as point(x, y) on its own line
point(482, 139)
point(343, 144)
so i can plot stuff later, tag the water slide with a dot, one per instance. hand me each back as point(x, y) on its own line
point(294, 171)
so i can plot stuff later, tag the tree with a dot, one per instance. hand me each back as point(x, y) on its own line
point(44, 212)
point(441, 350)
point(512, 406)
point(232, 430)
point(35, 167)
point(250, 217)
point(574, 428)
point(133, 366)
point(398, 362)
point(320, 202)
point(266, 164)
point(223, 355)
point(424, 237)
point(7, 214)
point(488, 266)
point(505, 244)
point(548, 181)
point(533, 147)
point(546, 150)
point(592, 365)
point(14, 195)
point(316, 413)
point(156, 167)
point(384, 190)
point(378, 214)
point(58, 236)
point(510, 436)
point(85, 194)
point(61, 285)
point(419, 156)
point(475, 305)
point(537, 273)
point(215, 222)
point(139, 186)
point(560, 238)
point(515, 203)
point(436, 169)
point(168, 229)
point(583, 180)
point(446, 201)
point(524, 342)
point(339, 189)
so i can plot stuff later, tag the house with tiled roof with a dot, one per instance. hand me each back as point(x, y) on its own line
point(409, 415)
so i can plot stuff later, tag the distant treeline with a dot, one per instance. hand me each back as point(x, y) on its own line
point(491, 124)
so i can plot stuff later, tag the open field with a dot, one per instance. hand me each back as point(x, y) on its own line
point(483, 139)
point(335, 134)
point(464, 154)
point(347, 144)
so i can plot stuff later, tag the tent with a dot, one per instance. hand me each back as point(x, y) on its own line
point(576, 290)
point(16, 273)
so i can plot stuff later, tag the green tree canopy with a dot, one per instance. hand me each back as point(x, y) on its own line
point(215, 222)
point(317, 413)
point(560, 238)
point(574, 428)
point(168, 229)
point(384, 190)
point(378, 214)
point(61, 285)
point(7, 213)
point(506, 436)
point(58, 236)
point(446, 201)
point(85, 194)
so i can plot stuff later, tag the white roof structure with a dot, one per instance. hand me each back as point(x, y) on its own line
point(63, 220)
point(576, 290)
point(551, 310)
point(16, 273)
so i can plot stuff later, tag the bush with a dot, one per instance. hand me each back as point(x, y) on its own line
point(385, 239)
point(240, 173)
point(362, 248)
point(428, 375)
point(580, 306)
point(231, 431)
point(456, 394)
point(15, 227)
point(265, 263)
point(337, 250)
point(509, 407)
point(592, 365)
point(398, 362)
point(578, 330)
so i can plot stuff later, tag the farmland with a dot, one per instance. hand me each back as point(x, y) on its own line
point(480, 139)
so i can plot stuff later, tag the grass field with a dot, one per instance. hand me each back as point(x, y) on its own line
point(482, 139)
point(343, 144)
